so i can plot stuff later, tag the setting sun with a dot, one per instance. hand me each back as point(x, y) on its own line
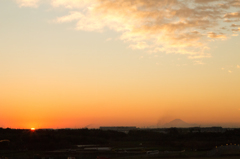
point(32, 129)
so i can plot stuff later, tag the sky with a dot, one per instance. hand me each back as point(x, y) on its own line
point(91, 63)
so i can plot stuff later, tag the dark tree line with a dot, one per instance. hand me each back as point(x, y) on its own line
point(20, 139)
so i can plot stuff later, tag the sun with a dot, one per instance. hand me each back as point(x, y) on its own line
point(32, 129)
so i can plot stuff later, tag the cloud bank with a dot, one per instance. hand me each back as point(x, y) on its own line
point(168, 26)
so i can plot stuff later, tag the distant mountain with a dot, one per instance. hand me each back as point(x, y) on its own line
point(178, 123)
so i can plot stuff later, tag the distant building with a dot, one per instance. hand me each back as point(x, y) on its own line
point(213, 129)
point(98, 149)
point(124, 129)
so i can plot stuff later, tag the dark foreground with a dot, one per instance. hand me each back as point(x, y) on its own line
point(136, 144)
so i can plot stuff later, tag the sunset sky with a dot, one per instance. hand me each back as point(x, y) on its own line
point(91, 63)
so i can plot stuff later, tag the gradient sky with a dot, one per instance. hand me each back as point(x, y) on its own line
point(77, 63)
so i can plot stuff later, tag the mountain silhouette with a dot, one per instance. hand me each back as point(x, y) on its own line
point(179, 124)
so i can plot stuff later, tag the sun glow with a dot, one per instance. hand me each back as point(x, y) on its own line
point(32, 129)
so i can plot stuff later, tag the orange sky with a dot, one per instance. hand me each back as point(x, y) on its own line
point(81, 63)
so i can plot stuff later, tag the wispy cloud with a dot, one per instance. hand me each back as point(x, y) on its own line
point(139, 45)
point(169, 26)
point(236, 30)
point(199, 63)
point(28, 3)
point(73, 4)
point(73, 16)
point(233, 15)
point(234, 25)
point(205, 1)
point(214, 35)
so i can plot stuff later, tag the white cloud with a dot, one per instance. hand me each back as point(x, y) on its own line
point(169, 26)
point(69, 18)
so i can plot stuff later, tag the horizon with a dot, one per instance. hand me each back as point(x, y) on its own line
point(78, 63)
point(165, 125)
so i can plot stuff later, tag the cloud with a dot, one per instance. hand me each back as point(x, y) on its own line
point(205, 1)
point(232, 15)
point(72, 4)
point(226, 4)
point(168, 26)
point(199, 63)
point(229, 71)
point(238, 66)
point(214, 35)
point(139, 45)
point(69, 18)
point(28, 3)
point(236, 30)
point(234, 25)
